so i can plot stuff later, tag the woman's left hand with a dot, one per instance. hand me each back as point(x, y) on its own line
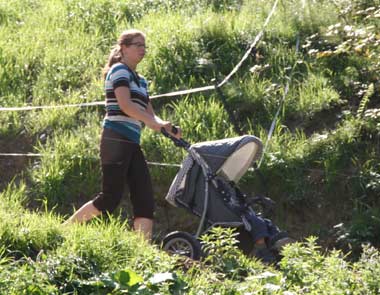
point(178, 133)
point(174, 131)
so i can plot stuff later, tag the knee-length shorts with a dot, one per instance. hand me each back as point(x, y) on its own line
point(123, 163)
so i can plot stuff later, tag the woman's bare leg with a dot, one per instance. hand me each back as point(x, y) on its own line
point(84, 213)
point(88, 211)
point(145, 226)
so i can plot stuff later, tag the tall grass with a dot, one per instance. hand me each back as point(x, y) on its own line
point(69, 165)
point(52, 52)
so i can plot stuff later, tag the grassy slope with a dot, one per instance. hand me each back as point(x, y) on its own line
point(51, 52)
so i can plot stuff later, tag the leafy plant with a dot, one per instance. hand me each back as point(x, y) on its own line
point(365, 100)
point(220, 247)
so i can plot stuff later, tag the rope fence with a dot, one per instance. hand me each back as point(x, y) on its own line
point(273, 125)
point(36, 155)
point(252, 169)
point(31, 108)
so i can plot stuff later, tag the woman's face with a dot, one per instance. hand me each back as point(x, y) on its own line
point(135, 51)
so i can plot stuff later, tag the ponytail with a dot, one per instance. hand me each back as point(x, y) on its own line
point(114, 57)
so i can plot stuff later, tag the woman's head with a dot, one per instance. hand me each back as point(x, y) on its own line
point(130, 47)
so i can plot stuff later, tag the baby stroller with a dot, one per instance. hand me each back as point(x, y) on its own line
point(206, 186)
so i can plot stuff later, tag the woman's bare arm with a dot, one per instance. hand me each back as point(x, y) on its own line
point(123, 96)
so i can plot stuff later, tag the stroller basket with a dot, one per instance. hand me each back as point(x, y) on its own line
point(226, 161)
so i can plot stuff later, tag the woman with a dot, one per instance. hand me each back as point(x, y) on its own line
point(127, 105)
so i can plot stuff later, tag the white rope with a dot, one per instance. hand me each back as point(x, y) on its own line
point(183, 92)
point(176, 165)
point(35, 155)
point(273, 125)
point(253, 45)
point(20, 155)
point(29, 108)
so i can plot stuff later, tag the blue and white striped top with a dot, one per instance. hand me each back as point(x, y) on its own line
point(120, 75)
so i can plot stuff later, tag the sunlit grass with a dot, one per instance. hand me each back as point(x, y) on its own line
point(52, 53)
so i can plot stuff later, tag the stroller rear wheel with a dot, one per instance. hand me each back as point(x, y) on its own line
point(182, 243)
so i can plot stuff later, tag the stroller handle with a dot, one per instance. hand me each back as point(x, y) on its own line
point(178, 142)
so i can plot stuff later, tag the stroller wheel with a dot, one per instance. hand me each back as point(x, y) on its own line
point(182, 243)
point(277, 242)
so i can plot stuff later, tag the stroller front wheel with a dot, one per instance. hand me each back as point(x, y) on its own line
point(182, 243)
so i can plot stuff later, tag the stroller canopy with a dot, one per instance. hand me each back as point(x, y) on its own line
point(230, 157)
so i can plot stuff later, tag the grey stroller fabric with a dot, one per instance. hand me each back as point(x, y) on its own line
point(193, 194)
point(227, 160)
point(178, 183)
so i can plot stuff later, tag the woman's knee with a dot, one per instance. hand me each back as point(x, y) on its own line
point(144, 210)
point(106, 203)
point(112, 187)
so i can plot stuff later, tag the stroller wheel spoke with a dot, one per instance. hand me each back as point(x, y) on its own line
point(179, 247)
point(182, 243)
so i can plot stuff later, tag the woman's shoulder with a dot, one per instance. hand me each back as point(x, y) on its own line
point(119, 66)
point(118, 70)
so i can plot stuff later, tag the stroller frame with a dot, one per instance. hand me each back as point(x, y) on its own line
point(211, 177)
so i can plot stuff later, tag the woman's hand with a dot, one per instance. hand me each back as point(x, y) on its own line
point(169, 128)
point(178, 133)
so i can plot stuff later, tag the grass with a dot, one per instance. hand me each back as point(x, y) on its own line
point(323, 153)
point(59, 175)
point(105, 256)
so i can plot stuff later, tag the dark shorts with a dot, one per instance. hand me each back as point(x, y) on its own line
point(123, 163)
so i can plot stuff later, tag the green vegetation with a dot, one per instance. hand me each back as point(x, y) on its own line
point(321, 165)
point(105, 257)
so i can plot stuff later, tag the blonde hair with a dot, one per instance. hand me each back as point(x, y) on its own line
point(116, 55)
